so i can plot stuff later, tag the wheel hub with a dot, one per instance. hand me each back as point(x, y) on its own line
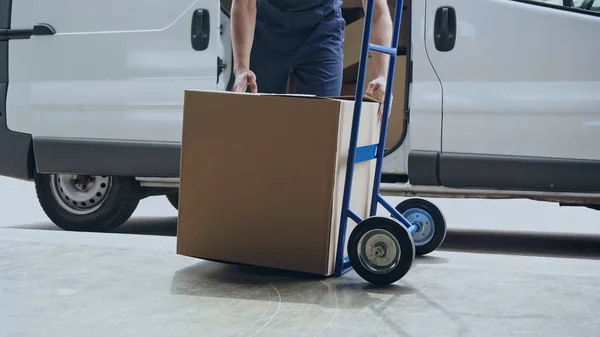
point(80, 194)
point(378, 251)
point(82, 182)
point(425, 223)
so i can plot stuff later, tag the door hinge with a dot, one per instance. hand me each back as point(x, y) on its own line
point(409, 75)
point(221, 29)
point(221, 66)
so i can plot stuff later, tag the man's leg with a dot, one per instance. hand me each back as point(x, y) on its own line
point(271, 78)
point(271, 69)
point(318, 68)
point(319, 77)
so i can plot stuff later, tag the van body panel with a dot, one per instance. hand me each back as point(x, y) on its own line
point(521, 109)
point(114, 70)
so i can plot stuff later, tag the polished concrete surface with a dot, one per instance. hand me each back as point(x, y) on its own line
point(76, 284)
point(484, 282)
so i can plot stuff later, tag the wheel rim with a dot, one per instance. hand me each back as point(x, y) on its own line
point(80, 194)
point(425, 222)
point(379, 251)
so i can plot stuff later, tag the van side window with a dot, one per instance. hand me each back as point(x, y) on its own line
point(588, 5)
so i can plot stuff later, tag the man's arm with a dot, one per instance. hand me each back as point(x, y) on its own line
point(243, 22)
point(381, 34)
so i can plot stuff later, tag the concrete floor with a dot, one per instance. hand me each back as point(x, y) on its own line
point(74, 284)
point(531, 283)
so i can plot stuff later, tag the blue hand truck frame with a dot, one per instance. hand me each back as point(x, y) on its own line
point(381, 249)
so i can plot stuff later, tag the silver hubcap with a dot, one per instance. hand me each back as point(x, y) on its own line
point(80, 194)
point(426, 225)
point(379, 251)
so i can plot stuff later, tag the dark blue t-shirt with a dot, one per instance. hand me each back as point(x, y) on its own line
point(297, 15)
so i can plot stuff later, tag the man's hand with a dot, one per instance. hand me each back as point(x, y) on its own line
point(381, 33)
point(243, 22)
point(243, 79)
point(376, 89)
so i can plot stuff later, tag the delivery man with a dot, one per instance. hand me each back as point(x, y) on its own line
point(273, 39)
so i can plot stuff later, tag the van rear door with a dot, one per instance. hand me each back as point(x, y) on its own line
point(109, 85)
point(16, 158)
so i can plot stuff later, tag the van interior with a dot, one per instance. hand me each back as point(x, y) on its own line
point(353, 14)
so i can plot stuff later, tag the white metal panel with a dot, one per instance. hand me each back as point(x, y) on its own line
point(522, 80)
point(397, 161)
point(425, 98)
point(116, 69)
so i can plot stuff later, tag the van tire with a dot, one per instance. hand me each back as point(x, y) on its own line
point(87, 203)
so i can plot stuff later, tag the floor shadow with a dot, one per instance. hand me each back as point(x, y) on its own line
point(459, 240)
point(476, 241)
point(240, 282)
point(519, 243)
point(46, 226)
point(161, 226)
point(427, 259)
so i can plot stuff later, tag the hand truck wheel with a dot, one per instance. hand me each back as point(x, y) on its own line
point(381, 250)
point(432, 224)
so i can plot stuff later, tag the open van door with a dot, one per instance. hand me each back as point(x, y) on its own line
point(521, 93)
point(16, 158)
point(107, 81)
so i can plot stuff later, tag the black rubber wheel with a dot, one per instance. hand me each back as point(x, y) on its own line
point(381, 250)
point(174, 200)
point(432, 231)
point(87, 203)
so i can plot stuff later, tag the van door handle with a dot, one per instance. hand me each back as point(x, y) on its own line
point(23, 34)
point(444, 31)
point(200, 29)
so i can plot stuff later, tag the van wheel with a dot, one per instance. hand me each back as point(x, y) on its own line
point(174, 200)
point(87, 203)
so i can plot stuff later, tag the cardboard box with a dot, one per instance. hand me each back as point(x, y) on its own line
point(348, 89)
point(396, 120)
point(353, 37)
point(262, 178)
point(350, 74)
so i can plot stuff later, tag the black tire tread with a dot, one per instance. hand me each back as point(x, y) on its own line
point(407, 247)
point(120, 204)
point(438, 218)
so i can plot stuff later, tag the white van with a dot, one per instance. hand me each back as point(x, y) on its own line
point(504, 101)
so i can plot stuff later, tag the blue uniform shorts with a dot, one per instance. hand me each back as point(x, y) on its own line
point(306, 43)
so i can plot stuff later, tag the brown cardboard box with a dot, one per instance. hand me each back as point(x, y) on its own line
point(262, 178)
point(350, 74)
point(396, 120)
point(353, 37)
point(348, 89)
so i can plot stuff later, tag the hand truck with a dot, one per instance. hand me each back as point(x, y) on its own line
point(381, 249)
